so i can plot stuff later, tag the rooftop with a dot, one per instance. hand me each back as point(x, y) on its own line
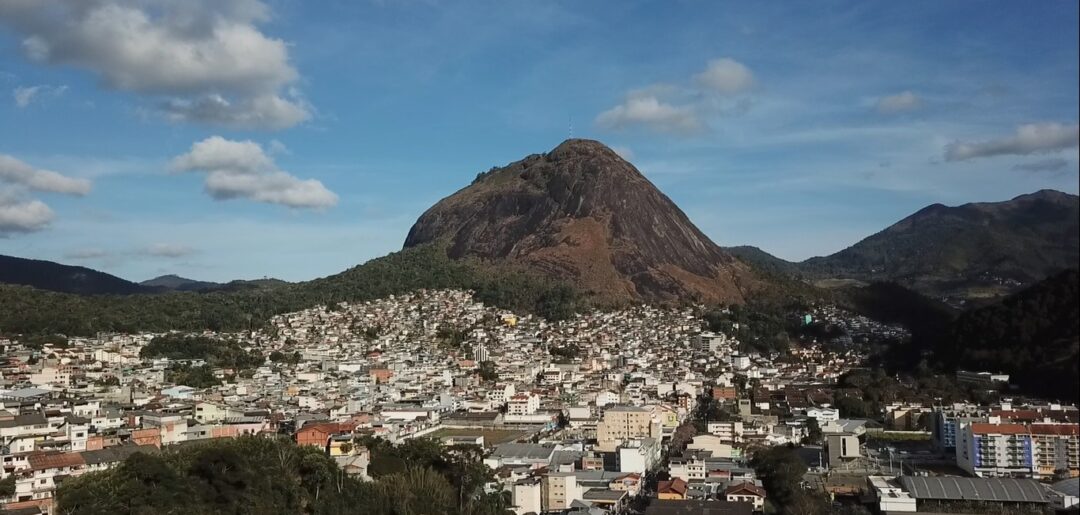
point(975, 489)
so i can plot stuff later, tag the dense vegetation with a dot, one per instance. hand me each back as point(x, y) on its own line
point(31, 311)
point(759, 326)
point(863, 393)
point(201, 376)
point(781, 472)
point(217, 353)
point(1033, 335)
point(928, 320)
point(254, 475)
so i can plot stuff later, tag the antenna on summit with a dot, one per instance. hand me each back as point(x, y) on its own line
point(570, 130)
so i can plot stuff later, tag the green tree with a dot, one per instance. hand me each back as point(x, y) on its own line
point(487, 371)
point(7, 486)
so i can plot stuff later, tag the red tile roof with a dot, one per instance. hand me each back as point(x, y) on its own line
point(676, 485)
point(999, 429)
point(745, 488)
point(1055, 429)
point(52, 460)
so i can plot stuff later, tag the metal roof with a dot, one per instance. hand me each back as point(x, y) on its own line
point(1069, 486)
point(975, 489)
point(522, 450)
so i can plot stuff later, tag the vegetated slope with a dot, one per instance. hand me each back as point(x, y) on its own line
point(993, 246)
point(173, 282)
point(582, 214)
point(928, 319)
point(177, 283)
point(30, 311)
point(1033, 335)
point(762, 260)
point(47, 275)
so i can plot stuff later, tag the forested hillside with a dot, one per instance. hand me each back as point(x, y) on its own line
point(29, 310)
point(1033, 335)
point(47, 275)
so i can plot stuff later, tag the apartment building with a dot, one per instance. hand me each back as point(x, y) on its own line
point(559, 490)
point(621, 423)
point(994, 450)
point(1055, 449)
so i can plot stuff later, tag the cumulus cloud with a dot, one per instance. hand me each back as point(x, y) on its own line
point(682, 109)
point(18, 173)
point(166, 250)
point(263, 111)
point(649, 111)
point(242, 169)
point(726, 76)
point(19, 214)
point(1046, 165)
point(899, 103)
point(207, 59)
point(1035, 138)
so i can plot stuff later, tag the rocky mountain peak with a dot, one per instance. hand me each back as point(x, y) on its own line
point(582, 213)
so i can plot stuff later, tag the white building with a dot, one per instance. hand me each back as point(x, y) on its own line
point(638, 455)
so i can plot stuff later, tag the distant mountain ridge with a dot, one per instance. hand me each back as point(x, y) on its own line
point(983, 249)
point(47, 275)
point(80, 280)
point(177, 283)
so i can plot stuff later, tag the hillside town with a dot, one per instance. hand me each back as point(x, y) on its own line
point(641, 410)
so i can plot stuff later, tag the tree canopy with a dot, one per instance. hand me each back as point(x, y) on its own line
point(255, 475)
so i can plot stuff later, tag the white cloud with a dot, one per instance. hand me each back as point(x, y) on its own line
point(207, 58)
point(18, 173)
point(1035, 138)
point(261, 112)
point(648, 111)
point(19, 215)
point(1055, 164)
point(166, 250)
point(899, 103)
point(241, 169)
point(681, 110)
point(726, 76)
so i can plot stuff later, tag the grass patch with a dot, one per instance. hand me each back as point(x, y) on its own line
point(492, 437)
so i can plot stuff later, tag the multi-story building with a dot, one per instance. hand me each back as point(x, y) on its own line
point(729, 432)
point(501, 393)
point(1055, 449)
point(523, 404)
point(944, 423)
point(480, 353)
point(621, 423)
point(994, 450)
point(559, 490)
point(527, 496)
point(638, 456)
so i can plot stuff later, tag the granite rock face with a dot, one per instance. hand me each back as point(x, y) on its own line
point(582, 214)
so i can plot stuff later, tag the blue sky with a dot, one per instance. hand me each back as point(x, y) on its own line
point(222, 139)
